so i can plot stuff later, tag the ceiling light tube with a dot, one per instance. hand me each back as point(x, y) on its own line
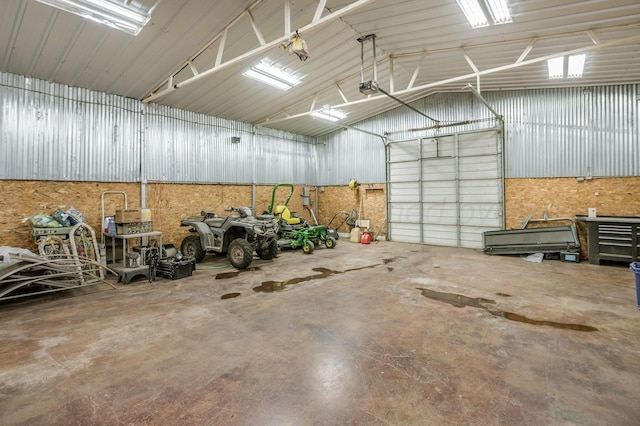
point(103, 12)
point(499, 11)
point(278, 73)
point(273, 76)
point(330, 114)
point(556, 67)
point(473, 12)
point(576, 66)
point(266, 79)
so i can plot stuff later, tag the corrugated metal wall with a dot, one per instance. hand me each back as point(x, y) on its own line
point(182, 146)
point(571, 132)
point(285, 157)
point(53, 132)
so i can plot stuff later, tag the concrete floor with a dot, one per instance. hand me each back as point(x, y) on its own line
point(381, 334)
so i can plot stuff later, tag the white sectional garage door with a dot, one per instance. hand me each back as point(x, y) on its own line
point(447, 190)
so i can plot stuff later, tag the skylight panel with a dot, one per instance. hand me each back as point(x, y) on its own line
point(556, 67)
point(576, 66)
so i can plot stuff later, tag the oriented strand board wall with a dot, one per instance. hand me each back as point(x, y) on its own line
point(368, 200)
point(169, 203)
point(21, 199)
point(567, 197)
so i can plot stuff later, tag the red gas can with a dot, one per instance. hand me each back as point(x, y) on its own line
point(366, 238)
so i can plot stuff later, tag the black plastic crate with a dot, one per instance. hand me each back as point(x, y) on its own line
point(175, 269)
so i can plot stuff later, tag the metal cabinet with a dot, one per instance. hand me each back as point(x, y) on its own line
point(615, 238)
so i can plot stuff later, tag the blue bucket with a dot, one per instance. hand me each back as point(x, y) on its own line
point(635, 268)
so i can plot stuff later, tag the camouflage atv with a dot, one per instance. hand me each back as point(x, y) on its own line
point(238, 236)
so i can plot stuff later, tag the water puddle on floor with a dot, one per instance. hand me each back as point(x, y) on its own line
point(460, 301)
point(272, 286)
point(229, 296)
point(227, 275)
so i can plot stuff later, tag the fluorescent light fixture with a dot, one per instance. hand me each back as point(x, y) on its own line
point(104, 12)
point(330, 114)
point(273, 76)
point(499, 11)
point(473, 12)
point(556, 67)
point(576, 66)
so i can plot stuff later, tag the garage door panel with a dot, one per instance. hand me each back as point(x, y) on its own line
point(461, 197)
point(479, 199)
point(439, 198)
point(405, 213)
point(481, 215)
point(404, 192)
point(440, 235)
point(440, 213)
point(478, 144)
point(441, 147)
point(488, 186)
point(404, 151)
point(408, 233)
point(471, 237)
point(483, 168)
point(439, 192)
point(440, 169)
point(438, 186)
point(475, 192)
point(471, 240)
point(405, 172)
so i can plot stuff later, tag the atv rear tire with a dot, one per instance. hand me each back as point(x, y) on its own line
point(191, 247)
point(240, 253)
point(270, 252)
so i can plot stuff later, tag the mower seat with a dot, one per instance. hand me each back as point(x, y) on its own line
point(283, 212)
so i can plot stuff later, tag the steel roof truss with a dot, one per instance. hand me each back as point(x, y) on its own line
point(317, 22)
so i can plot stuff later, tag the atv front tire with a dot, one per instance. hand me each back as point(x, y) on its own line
point(270, 252)
point(191, 247)
point(240, 253)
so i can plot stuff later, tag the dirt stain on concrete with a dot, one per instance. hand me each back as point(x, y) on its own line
point(233, 274)
point(229, 296)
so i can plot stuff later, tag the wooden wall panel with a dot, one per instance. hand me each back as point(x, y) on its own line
point(565, 197)
point(568, 197)
point(368, 200)
point(21, 199)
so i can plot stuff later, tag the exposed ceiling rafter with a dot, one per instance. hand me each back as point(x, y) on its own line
point(424, 53)
point(316, 23)
point(517, 64)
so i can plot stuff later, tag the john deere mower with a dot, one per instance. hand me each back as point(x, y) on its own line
point(294, 231)
point(281, 212)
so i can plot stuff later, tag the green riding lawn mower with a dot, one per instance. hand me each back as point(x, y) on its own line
point(294, 231)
